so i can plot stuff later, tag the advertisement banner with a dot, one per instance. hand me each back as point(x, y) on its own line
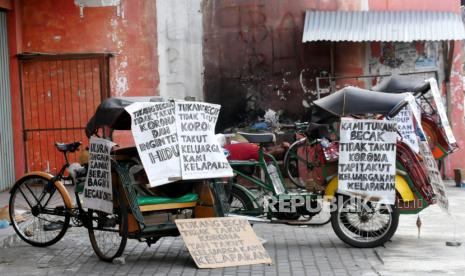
point(98, 192)
point(367, 159)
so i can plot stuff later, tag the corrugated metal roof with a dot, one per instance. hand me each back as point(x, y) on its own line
point(404, 26)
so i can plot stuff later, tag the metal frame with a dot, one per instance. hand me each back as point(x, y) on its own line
point(332, 79)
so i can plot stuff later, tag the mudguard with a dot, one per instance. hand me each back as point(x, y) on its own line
point(402, 188)
point(247, 192)
point(58, 184)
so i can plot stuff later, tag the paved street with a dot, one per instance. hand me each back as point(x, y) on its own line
point(294, 250)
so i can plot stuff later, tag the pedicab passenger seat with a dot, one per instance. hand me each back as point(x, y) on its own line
point(258, 137)
point(156, 203)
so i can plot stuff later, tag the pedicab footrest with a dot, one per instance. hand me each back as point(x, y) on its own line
point(155, 203)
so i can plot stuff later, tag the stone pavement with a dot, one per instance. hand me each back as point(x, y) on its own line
point(294, 250)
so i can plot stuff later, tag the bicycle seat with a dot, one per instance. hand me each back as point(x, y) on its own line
point(71, 147)
point(258, 137)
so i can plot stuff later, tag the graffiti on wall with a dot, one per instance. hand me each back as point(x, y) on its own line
point(255, 59)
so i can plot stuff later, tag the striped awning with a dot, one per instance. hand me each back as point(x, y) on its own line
point(403, 26)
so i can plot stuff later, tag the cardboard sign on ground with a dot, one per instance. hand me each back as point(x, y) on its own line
point(222, 242)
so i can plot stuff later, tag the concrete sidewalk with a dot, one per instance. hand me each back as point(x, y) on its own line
point(294, 250)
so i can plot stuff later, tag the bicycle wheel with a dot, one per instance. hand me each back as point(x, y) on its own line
point(108, 233)
point(37, 211)
point(295, 159)
point(364, 224)
point(239, 202)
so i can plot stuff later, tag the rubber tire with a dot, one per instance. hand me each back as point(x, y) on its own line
point(287, 156)
point(390, 232)
point(242, 197)
point(123, 226)
point(15, 225)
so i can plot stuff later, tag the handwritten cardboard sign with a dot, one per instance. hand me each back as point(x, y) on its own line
point(176, 140)
point(154, 130)
point(367, 159)
point(98, 192)
point(201, 155)
point(222, 242)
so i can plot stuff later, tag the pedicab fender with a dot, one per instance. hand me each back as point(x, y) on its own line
point(58, 184)
point(248, 193)
point(402, 188)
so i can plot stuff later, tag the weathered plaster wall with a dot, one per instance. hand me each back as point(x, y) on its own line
point(254, 56)
point(180, 48)
point(54, 26)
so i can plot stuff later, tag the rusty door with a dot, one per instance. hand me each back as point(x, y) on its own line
point(59, 95)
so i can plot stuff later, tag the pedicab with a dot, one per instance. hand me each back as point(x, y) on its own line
point(369, 226)
point(41, 208)
point(432, 121)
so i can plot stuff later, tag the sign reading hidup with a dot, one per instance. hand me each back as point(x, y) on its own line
point(154, 130)
point(222, 242)
point(367, 159)
point(406, 128)
point(176, 140)
point(98, 193)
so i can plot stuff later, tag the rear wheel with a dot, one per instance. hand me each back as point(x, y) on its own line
point(108, 233)
point(298, 163)
point(38, 211)
point(239, 202)
point(364, 224)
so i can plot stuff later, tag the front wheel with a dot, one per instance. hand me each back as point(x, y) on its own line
point(362, 223)
point(37, 211)
point(108, 233)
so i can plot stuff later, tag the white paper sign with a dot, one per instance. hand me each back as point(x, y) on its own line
point(441, 110)
point(176, 140)
point(154, 129)
point(98, 192)
point(406, 128)
point(201, 155)
point(367, 159)
point(434, 176)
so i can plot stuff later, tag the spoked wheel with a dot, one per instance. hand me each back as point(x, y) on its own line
point(37, 211)
point(364, 224)
point(108, 233)
point(297, 160)
point(239, 202)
